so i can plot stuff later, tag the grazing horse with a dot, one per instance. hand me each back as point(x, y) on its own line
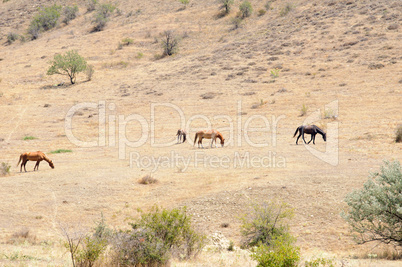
point(211, 134)
point(34, 156)
point(181, 133)
point(309, 129)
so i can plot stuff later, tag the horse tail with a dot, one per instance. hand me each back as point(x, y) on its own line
point(195, 138)
point(296, 131)
point(19, 160)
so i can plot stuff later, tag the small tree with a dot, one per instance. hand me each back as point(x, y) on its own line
point(245, 9)
point(375, 212)
point(69, 64)
point(169, 43)
point(227, 5)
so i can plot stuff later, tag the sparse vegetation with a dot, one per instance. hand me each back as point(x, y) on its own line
point(4, 169)
point(303, 110)
point(12, 37)
point(398, 137)
point(231, 246)
point(261, 12)
point(70, 13)
point(227, 5)
point(139, 55)
point(127, 41)
point(317, 262)
point(286, 9)
point(58, 151)
point(147, 179)
point(267, 5)
point(184, 2)
point(69, 64)
point(375, 212)
point(91, 5)
point(236, 22)
point(170, 43)
point(29, 138)
point(89, 72)
point(45, 20)
point(275, 73)
point(246, 9)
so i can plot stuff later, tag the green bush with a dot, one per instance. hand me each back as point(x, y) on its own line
point(318, 262)
point(102, 15)
point(70, 13)
point(280, 253)
point(398, 137)
point(265, 222)
point(69, 64)
point(245, 9)
point(375, 211)
point(157, 236)
point(227, 5)
point(45, 20)
point(12, 37)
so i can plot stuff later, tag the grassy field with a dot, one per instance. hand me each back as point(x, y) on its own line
point(336, 64)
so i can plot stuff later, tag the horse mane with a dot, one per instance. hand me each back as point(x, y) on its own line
point(319, 130)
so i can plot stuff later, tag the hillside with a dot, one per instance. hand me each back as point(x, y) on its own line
point(342, 58)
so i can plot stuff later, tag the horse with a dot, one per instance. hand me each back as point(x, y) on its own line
point(309, 129)
point(37, 156)
point(181, 133)
point(211, 134)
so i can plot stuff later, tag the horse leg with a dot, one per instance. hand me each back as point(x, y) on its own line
point(37, 166)
point(312, 136)
point(298, 138)
point(24, 163)
point(314, 139)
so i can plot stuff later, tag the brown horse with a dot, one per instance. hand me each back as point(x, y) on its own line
point(211, 134)
point(309, 129)
point(181, 133)
point(34, 156)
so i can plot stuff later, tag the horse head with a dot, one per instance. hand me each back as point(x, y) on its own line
point(51, 164)
point(324, 136)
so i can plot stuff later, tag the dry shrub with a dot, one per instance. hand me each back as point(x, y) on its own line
point(21, 237)
point(4, 168)
point(398, 137)
point(147, 179)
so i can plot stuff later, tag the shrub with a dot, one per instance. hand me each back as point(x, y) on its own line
point(45, 20)
point(170, 43)
point(127, 41)
point(261, 12)
point(375, 212)
point(91, 5)
point(12, 37)
point(102, 16)
point(4, 169)
point(147, 179)
point(280, 253)
point(70, 13)
point(236, 22)
point(89, 72)
point(286, 9)
point(227, 5)
point(318, 262)
point(157, 236)
point(265, 222)
point(398, 137)
point(245, 9)
point(69, 64)
point(185, 2)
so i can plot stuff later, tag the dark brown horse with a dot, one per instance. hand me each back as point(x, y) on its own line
point(37, 156)
point(309, 129)
point(211, 134)
point(181, 133)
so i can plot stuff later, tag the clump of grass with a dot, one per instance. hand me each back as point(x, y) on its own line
point(398, 137)
point(119, 64)
point(261, 12)
point(329, 114)
point(4, 169)
point(59, 151)
point(147, 179)
point(127, 41)
point(303, 110)
point(29, 138)
point(12, 37)
point(89, 72)
point(231, 246)
point(275, 73)
point(139, 55)
point(21, 237)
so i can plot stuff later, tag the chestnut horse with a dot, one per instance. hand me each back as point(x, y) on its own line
point(309, 129)
point(211, 134)
point(34, 156)
point(181, 133)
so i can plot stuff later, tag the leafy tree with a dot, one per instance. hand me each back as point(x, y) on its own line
point(375, 212)
point(246, 9)
point(69, 64)
point(227, 5)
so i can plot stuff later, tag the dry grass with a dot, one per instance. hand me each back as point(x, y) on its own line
point(147, 179)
